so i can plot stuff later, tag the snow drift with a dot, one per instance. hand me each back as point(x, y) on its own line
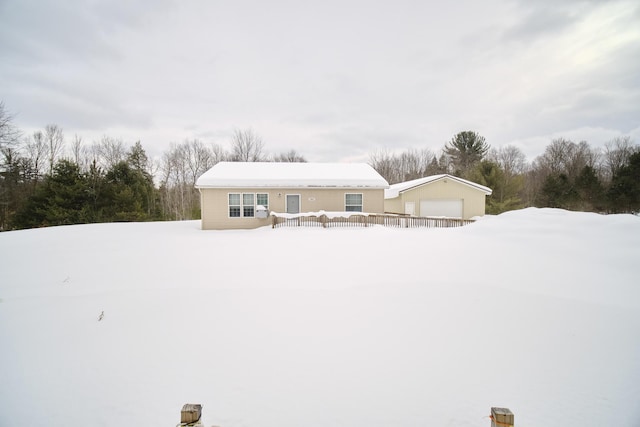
point(536, 310)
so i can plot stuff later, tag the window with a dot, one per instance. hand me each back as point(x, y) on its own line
point(234, 205)
point(248, 206)
point(263, 200)
point(244, 205)
point(353, 202)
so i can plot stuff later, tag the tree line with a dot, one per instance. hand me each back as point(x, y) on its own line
point(47, 179)
point(567, 175)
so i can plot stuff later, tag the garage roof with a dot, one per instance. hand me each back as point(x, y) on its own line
point(291, 175)
point(396, 189)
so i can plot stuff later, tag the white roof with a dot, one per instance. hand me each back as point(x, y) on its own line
point(272, 174)
point(395, 190)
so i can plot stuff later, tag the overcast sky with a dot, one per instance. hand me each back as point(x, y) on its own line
point(334, 80)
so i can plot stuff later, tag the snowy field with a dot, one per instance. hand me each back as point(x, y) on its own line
point(536, 310)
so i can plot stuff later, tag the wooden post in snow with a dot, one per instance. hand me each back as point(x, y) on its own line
point(190, 415)
point(501, 417)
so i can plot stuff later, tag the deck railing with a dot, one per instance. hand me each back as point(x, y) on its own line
point(368, 220)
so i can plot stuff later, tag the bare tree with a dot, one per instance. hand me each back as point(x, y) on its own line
point(406, 166)
point(291, 156)
point(55, 140)
point(111, 151)
point(37, 152)
point(81, 154)
point(9, 134)
point(218, 154)
point(509, 191)
point(616, 155)
point(167, 183)
point(93, 154)
point(76, 149)
point(246, 146)
point(563, 156)
point(197, 158)
point(414, 164)
point(560, 168)
point(510, 158)
point(180, 167)
point(383, 162)
point(582, 156)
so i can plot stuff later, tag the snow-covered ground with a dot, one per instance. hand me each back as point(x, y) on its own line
point(536, 310)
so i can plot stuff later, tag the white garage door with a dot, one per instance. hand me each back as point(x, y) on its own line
point(451, 208)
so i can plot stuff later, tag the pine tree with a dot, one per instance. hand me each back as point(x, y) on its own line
point(466, 149)
point(61, 199)
point(558, 192)
point(624, 193)
point(130, 193)
point(590, 191)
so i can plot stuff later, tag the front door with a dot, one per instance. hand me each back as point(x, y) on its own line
point(293, 203)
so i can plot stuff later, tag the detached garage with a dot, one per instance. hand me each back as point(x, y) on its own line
point(437, 195)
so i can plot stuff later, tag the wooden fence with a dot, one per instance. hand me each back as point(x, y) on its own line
point(397, 221)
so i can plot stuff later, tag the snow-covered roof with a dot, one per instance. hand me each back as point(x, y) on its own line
point(269, 175)
point(394, 190)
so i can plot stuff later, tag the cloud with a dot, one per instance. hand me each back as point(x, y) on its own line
point(333, 80)
point(535, 23)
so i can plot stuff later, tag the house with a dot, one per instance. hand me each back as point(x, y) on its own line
point(242, 194)
point(438, 195)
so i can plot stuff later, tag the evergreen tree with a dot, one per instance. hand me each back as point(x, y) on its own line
point(129, 192)
point(137, 158)
point(504, 195)
point(466, 149)
point(61, 199)
point(590, 192)
point(558, 192)
point(10, 182)
point(624, 193)
point(9, 164)
point(96, 200)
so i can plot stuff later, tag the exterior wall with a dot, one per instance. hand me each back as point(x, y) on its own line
point(214, 204)
point(395, 205)
point(473, 200)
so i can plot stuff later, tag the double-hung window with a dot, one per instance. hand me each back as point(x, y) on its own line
point(243, 205)
point(248, 205)
point(234, 205)
point(262, 199)
point(353, 202)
